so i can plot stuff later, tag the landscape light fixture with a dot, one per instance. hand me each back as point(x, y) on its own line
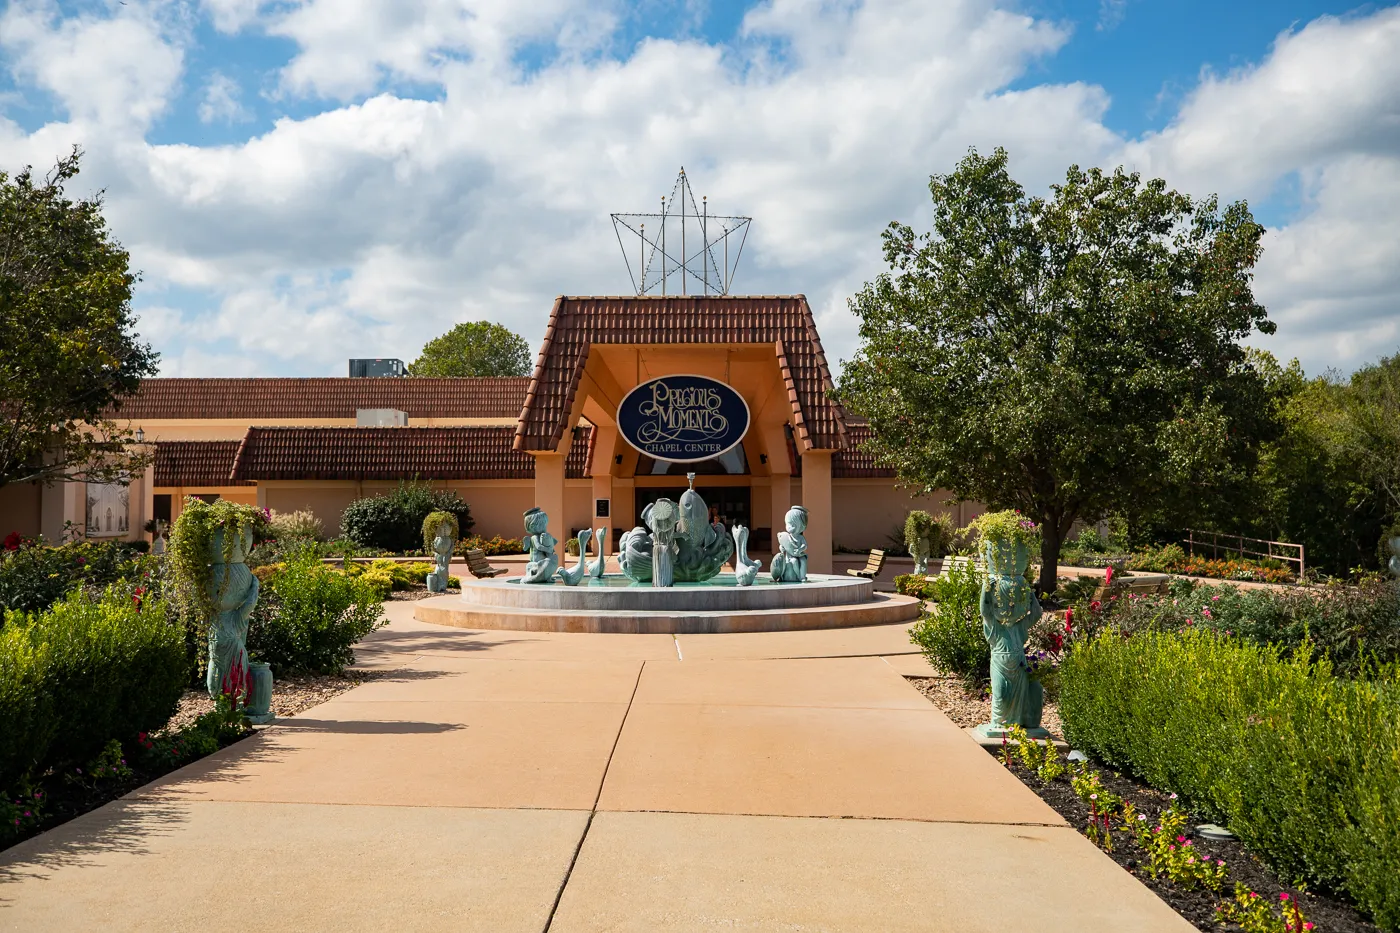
point(140, 436)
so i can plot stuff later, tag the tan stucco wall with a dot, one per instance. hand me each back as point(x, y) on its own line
point(497, 505)
point(20, 509)
point(868, 511)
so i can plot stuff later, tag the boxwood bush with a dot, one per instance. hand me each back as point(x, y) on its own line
point(394, 521)
point(950, 632)
point(85, 671)
point(1302, 765)
point(310, 616)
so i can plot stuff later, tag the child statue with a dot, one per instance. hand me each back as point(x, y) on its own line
point(540, 543)
point(790, 560)
point(745, 570)
point(443, 543)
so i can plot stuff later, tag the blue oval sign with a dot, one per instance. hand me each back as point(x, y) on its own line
point(683, 419)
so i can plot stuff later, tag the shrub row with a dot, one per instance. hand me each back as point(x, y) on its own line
point(1303, 766)
point(34, 576)
point(1172, 558)
point(493, 545)
point(394, 521)
point(81, 673)
point(1347, 623)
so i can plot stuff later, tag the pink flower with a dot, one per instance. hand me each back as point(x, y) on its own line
point(1215, 599)
point(1283, 895)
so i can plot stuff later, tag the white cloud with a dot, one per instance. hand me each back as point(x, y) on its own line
point(223, 101)
point(1321, 110)
point(374, 225)
point(118, 71)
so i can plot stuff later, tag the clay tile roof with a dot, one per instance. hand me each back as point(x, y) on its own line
point(196, 463)
point(783, 322)
point(853, 462)
point(279, 453)
point(336, 397)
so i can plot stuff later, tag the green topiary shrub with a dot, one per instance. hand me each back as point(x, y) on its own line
point(85, 671)
point(394, 521)
point(1303, 766)
point(310, 616)
point(950, 632)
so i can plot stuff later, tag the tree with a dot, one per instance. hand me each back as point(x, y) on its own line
point(68, 353)
point(1070, 356)
point(474, 348)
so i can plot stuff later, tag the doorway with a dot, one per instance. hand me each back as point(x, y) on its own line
point(729, 505)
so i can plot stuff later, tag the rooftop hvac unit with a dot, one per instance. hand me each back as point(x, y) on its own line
point(381, 367)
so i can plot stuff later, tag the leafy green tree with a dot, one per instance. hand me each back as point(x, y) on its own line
point(474, 348)
point(1068, 356)
point(68, 352)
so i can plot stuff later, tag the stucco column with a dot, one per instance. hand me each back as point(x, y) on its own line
point(816, 496)
point(603, 443)
point(781, 491)
point(549, 492)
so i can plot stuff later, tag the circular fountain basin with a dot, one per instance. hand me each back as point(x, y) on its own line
point(615, 603)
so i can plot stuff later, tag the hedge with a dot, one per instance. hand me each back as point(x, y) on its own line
point(1302, 765)
point(309, 617)
point(86, 671)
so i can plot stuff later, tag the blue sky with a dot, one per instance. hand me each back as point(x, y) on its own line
point(305, 180)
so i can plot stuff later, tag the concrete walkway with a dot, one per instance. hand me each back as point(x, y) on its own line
point(509, 781)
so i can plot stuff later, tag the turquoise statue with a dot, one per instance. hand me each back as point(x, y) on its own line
point(234, 592)
point(701, 548)
point(596, 568)
point(661, 518)
point(442, 556)
point(540, 543)
point(790, 560)
point(572, 577)
point(745, 570)
point(1395, 556)
point(1009, 610)
point(259, 706)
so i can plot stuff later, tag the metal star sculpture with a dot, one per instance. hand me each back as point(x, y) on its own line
point(684, 245)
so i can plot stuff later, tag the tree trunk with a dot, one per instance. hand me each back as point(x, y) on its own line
point(1051, 538)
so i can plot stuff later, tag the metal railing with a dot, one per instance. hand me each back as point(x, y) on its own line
point(1273, 550)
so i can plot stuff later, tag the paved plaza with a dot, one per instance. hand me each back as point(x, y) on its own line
point(517, 781)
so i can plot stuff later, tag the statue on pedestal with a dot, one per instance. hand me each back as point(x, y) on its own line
point(1009, 610)
point(745, 570)
point(234, 592)
point(439, 537)
point(540, 543)
point(790, 559)
point(571, 577)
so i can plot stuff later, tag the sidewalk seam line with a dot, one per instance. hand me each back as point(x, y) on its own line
point(588, 824)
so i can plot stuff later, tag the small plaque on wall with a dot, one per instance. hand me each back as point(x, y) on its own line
point(600, 507)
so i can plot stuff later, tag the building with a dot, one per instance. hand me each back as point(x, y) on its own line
point(550, 440)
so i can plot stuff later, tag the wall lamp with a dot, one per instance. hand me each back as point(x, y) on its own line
point(140, 436)
point(762, 458)
point(618, 459)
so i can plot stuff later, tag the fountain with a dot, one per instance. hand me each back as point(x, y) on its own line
point(672, 581)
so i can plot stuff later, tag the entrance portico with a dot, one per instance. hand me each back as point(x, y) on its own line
point(765, 348)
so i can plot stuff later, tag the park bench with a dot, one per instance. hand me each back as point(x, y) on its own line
point(873, 565)
point(950, 563)
point(478, 567)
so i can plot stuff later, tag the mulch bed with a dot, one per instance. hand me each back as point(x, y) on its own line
point(1329, 914)
point(972, 709)
point(291, 694)
point(419, 591)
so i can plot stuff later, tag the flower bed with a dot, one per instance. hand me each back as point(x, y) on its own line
point(1303, 766)
point(1172, 559)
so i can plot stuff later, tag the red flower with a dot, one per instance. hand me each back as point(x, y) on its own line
point(13, 541)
